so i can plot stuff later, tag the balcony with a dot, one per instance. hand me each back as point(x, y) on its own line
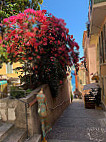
point(98, 15)
point(99, 1)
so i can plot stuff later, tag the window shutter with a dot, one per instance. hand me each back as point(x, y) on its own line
point(9, 68)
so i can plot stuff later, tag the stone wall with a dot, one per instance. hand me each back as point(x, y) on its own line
point(7, 109)
point(14, 110)
point(57, 105)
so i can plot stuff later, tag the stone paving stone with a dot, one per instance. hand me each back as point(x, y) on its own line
point(51, 140)
point(78, 124)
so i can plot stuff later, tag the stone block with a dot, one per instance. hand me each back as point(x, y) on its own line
point(3, 105)
point(12, 103)
point(11, 114)
point(3, 113)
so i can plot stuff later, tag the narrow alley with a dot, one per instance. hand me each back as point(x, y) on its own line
point(78, 124)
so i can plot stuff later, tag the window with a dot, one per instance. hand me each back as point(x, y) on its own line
point(103, 86)
point(97, 52)
point(104, 41)
point(100, 51)
point(102, 47)
point(80, 81)
point(9, 68)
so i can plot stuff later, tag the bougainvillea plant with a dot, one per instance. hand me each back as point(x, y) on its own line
point(42, 42)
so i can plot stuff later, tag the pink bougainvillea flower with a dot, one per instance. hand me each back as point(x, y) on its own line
point(67, 31)
point(35, 36)
point(5, 20)
point(0, 41)
point(71, 36)
point(38, 57)
point(44, 11)
point(44, 39)
point(50, 41)
point(61, 81)
point(62, 34)
point(58, 42)
point(29, 58)
point(1, 24)
point(76, 45)
point(45, 43)
point(23, 58)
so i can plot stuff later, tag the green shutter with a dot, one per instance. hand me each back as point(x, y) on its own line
point(9, 68)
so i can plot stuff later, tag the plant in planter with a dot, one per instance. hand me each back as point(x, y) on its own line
point(16, 92)
point(42, 43)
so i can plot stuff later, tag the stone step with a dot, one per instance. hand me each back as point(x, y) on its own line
point(35, 138)
point(16, 135)
point(5, 129)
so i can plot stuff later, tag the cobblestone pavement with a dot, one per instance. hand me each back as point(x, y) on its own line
point(78, 124)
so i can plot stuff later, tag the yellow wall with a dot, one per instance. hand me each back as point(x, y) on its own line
point(3, 70)
point(94, 40)
point(82, 78)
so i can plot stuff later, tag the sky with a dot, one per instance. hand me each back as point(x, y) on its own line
point(75, 14)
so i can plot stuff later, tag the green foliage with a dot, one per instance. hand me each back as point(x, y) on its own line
point(3, 55)
point(9, 8)
point(28, 91)
point(16, 92)
point(30, 81)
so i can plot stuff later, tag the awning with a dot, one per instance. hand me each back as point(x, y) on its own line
point(91, 86)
